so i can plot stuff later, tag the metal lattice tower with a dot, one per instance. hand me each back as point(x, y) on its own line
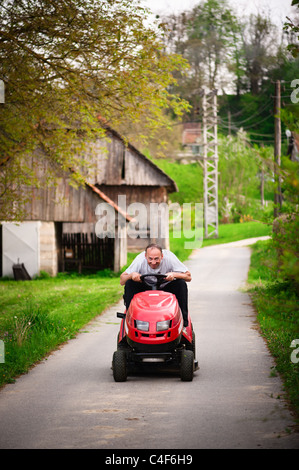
point(204, 150)
point(210, 162)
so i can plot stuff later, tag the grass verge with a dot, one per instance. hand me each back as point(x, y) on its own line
point(276, 303)
point(227, 233)
point(37, 316)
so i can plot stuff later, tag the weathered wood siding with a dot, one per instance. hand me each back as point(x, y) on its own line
point(63, 203)
point(114, 163)
point(145, 195)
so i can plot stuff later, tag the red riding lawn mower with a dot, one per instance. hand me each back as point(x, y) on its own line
point(151, 334)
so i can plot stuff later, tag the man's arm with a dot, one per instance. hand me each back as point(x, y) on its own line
point(124, 277)
point(186, 276)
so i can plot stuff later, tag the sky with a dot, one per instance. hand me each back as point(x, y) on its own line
point(279, 8)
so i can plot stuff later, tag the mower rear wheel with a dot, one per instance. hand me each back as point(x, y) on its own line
point(187, 365)
point(119, 366)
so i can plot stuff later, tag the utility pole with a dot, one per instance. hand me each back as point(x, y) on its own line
point(210, 162)
point(277, 150)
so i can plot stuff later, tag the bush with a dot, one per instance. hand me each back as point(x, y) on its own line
point(276, 302)
point(285, 238)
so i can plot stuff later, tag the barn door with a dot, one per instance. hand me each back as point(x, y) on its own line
point(87, 251)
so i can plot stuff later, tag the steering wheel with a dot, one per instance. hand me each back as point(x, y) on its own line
point(154, 285)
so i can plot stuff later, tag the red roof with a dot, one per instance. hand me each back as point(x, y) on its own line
point(191, 133)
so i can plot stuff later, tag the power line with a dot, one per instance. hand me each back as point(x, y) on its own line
point(247, 109)
point(257, 123)
point(239, 123)
point(244, 127)
point(262, 135)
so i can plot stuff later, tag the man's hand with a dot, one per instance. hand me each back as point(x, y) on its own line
point(136, 277)
point(124, 277)
point(170, 276)
point(173, 275)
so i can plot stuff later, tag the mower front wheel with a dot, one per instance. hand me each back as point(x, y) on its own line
point(187, 365)
point(119, 366)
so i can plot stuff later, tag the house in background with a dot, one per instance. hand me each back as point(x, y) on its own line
point(58, 233)
point(192, 143)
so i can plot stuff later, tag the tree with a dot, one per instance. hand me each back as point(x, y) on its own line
point(291, 28)
point(209, 38)
point(68, 67)
point(260, 49)
point(209, 31)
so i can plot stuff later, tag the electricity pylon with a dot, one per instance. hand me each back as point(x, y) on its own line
point(210, 162)
point(204, 150)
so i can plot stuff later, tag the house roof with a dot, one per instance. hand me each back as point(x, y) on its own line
point(191, 133)
point(162, 178)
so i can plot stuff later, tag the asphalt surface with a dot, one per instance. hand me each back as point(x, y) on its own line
point(71, 401)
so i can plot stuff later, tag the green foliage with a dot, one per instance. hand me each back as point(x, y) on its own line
point(189, 179)
point(290, 184)
point(240, 166)
point(252, 113)
point(209, 28)
point(238, 169)
point(292, 29)
point(276, 302)
point(285, 241)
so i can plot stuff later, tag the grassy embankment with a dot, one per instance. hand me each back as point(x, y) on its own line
point(37, 316)
point(276, 304)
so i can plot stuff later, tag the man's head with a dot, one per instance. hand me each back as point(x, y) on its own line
point(154, 255)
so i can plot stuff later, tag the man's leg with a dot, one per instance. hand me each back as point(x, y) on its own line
point(132, 288)
point(180, 290)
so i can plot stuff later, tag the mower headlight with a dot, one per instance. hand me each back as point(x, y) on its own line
point(163, 325)
point(142, 325)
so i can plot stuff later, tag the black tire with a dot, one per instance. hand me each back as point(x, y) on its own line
point(187, 365)
point(119, 366)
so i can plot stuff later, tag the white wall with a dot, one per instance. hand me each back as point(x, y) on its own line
point(31, 243)
point(20, 244)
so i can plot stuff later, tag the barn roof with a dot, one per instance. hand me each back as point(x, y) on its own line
point(140, 170)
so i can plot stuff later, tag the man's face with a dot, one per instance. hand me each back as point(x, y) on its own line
point(154, 257)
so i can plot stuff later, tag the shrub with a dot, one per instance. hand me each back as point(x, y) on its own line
point(286, 243)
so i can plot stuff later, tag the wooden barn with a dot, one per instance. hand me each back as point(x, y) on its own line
point(58, 233)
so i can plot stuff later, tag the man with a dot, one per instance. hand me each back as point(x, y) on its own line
point(154, 260)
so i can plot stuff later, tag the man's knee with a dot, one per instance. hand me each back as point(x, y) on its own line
point(129, 284)
point(181, 285)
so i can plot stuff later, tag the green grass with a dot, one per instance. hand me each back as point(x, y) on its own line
point(227, 233)
point(234, 232)
point(276, 303)
point(37, 316)
point(189, 179)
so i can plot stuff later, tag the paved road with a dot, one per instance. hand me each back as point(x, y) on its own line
point(70, 400)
